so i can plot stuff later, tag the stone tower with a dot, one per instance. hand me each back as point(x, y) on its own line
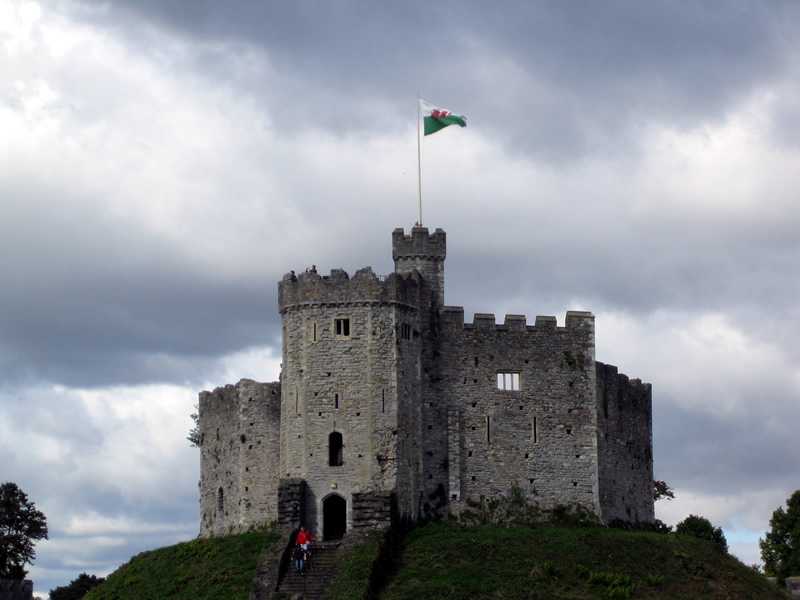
point(424, 252)
point(351, 387)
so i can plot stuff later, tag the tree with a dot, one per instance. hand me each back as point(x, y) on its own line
point(21, 524)
point(662, 490)
point(194, 433)
point(780, 548)
point(77, 588)
point(700, 527)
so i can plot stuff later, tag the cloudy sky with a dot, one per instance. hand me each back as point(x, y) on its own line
point(163, 163)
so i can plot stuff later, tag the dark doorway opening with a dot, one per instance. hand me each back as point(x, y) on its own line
point(334, 517)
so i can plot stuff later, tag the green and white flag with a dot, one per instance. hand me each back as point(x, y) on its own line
point(436, 117)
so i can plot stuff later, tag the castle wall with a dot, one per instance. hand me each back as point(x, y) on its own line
point(625, 442)
point(239, 432)
point(360, 385)
point(541, 438)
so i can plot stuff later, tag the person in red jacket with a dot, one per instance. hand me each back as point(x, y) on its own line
point(304, 538)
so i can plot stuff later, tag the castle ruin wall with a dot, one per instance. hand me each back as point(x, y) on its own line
point(239, 447)
point(625, 442)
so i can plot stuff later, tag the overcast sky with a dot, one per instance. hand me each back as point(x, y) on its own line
point(163, 163)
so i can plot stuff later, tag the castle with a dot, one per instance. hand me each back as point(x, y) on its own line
point(389, 403)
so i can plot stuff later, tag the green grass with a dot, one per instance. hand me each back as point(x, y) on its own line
point(354, 571)
point(203, 569)
point(442, 560)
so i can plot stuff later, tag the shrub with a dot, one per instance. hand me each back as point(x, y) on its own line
point(700, 527)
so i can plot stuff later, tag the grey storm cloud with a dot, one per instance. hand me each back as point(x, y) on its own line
point(553, 80)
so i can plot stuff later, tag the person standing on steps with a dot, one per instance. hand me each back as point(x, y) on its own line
point(299, 559)
point(304, 540)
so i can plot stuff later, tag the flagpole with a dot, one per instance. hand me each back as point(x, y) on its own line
point(419, 162)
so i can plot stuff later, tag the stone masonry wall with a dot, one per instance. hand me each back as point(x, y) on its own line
point(625, 446)
point(346, 384)
point(240, 433)
point(542, 437)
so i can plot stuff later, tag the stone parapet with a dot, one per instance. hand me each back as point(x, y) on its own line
point(291, 503)
point(453, 316)
point(373, 510)
point(419, 244)
point(338, 288)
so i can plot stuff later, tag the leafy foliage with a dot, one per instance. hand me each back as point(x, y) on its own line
point(661, 490)
point(194, 436)
point(657, 526)
point(21, 525)
point(700, 527)
point(780, 548)
point(77, 588)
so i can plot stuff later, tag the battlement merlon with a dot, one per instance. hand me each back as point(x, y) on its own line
point(420, 244)
point(575, 320)
point(423, 252)
point(310, 289)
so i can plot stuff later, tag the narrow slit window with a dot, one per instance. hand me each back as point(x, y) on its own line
point(314, 331)
point(342, 327)
point(335, 449)
point(296, 402)
point(383, 401)
point(508, 381)
point(488, 429)
point(535, 431)
point(336, 401)
point(220, 501)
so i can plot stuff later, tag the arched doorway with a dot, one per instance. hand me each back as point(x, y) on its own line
point(334, 517)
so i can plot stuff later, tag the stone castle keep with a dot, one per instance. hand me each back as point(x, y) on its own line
point(389, 403)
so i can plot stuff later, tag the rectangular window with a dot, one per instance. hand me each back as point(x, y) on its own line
point(341, 327)
point(405, 331)
point(508, 382)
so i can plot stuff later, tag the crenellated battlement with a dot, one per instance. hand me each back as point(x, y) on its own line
point(419, 244)
point(311, 288)
point(453, 316)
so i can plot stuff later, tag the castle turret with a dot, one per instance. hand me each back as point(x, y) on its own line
point(424, 252)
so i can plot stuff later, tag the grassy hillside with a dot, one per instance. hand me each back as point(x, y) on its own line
point(219, 569)
point(446, 561)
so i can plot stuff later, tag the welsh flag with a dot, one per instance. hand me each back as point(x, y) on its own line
point(436, 118)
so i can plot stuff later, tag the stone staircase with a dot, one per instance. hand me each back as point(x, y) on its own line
point(314, 583)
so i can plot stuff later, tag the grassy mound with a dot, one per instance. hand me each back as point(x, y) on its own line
point(446, 561)
point(352, 578)
point(218, 568)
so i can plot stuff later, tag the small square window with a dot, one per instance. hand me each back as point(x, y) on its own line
point(341, 327)
point(508, 381)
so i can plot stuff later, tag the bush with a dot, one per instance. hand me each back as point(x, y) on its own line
point(77, 588)
point(656, 526)
point(700, 527)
